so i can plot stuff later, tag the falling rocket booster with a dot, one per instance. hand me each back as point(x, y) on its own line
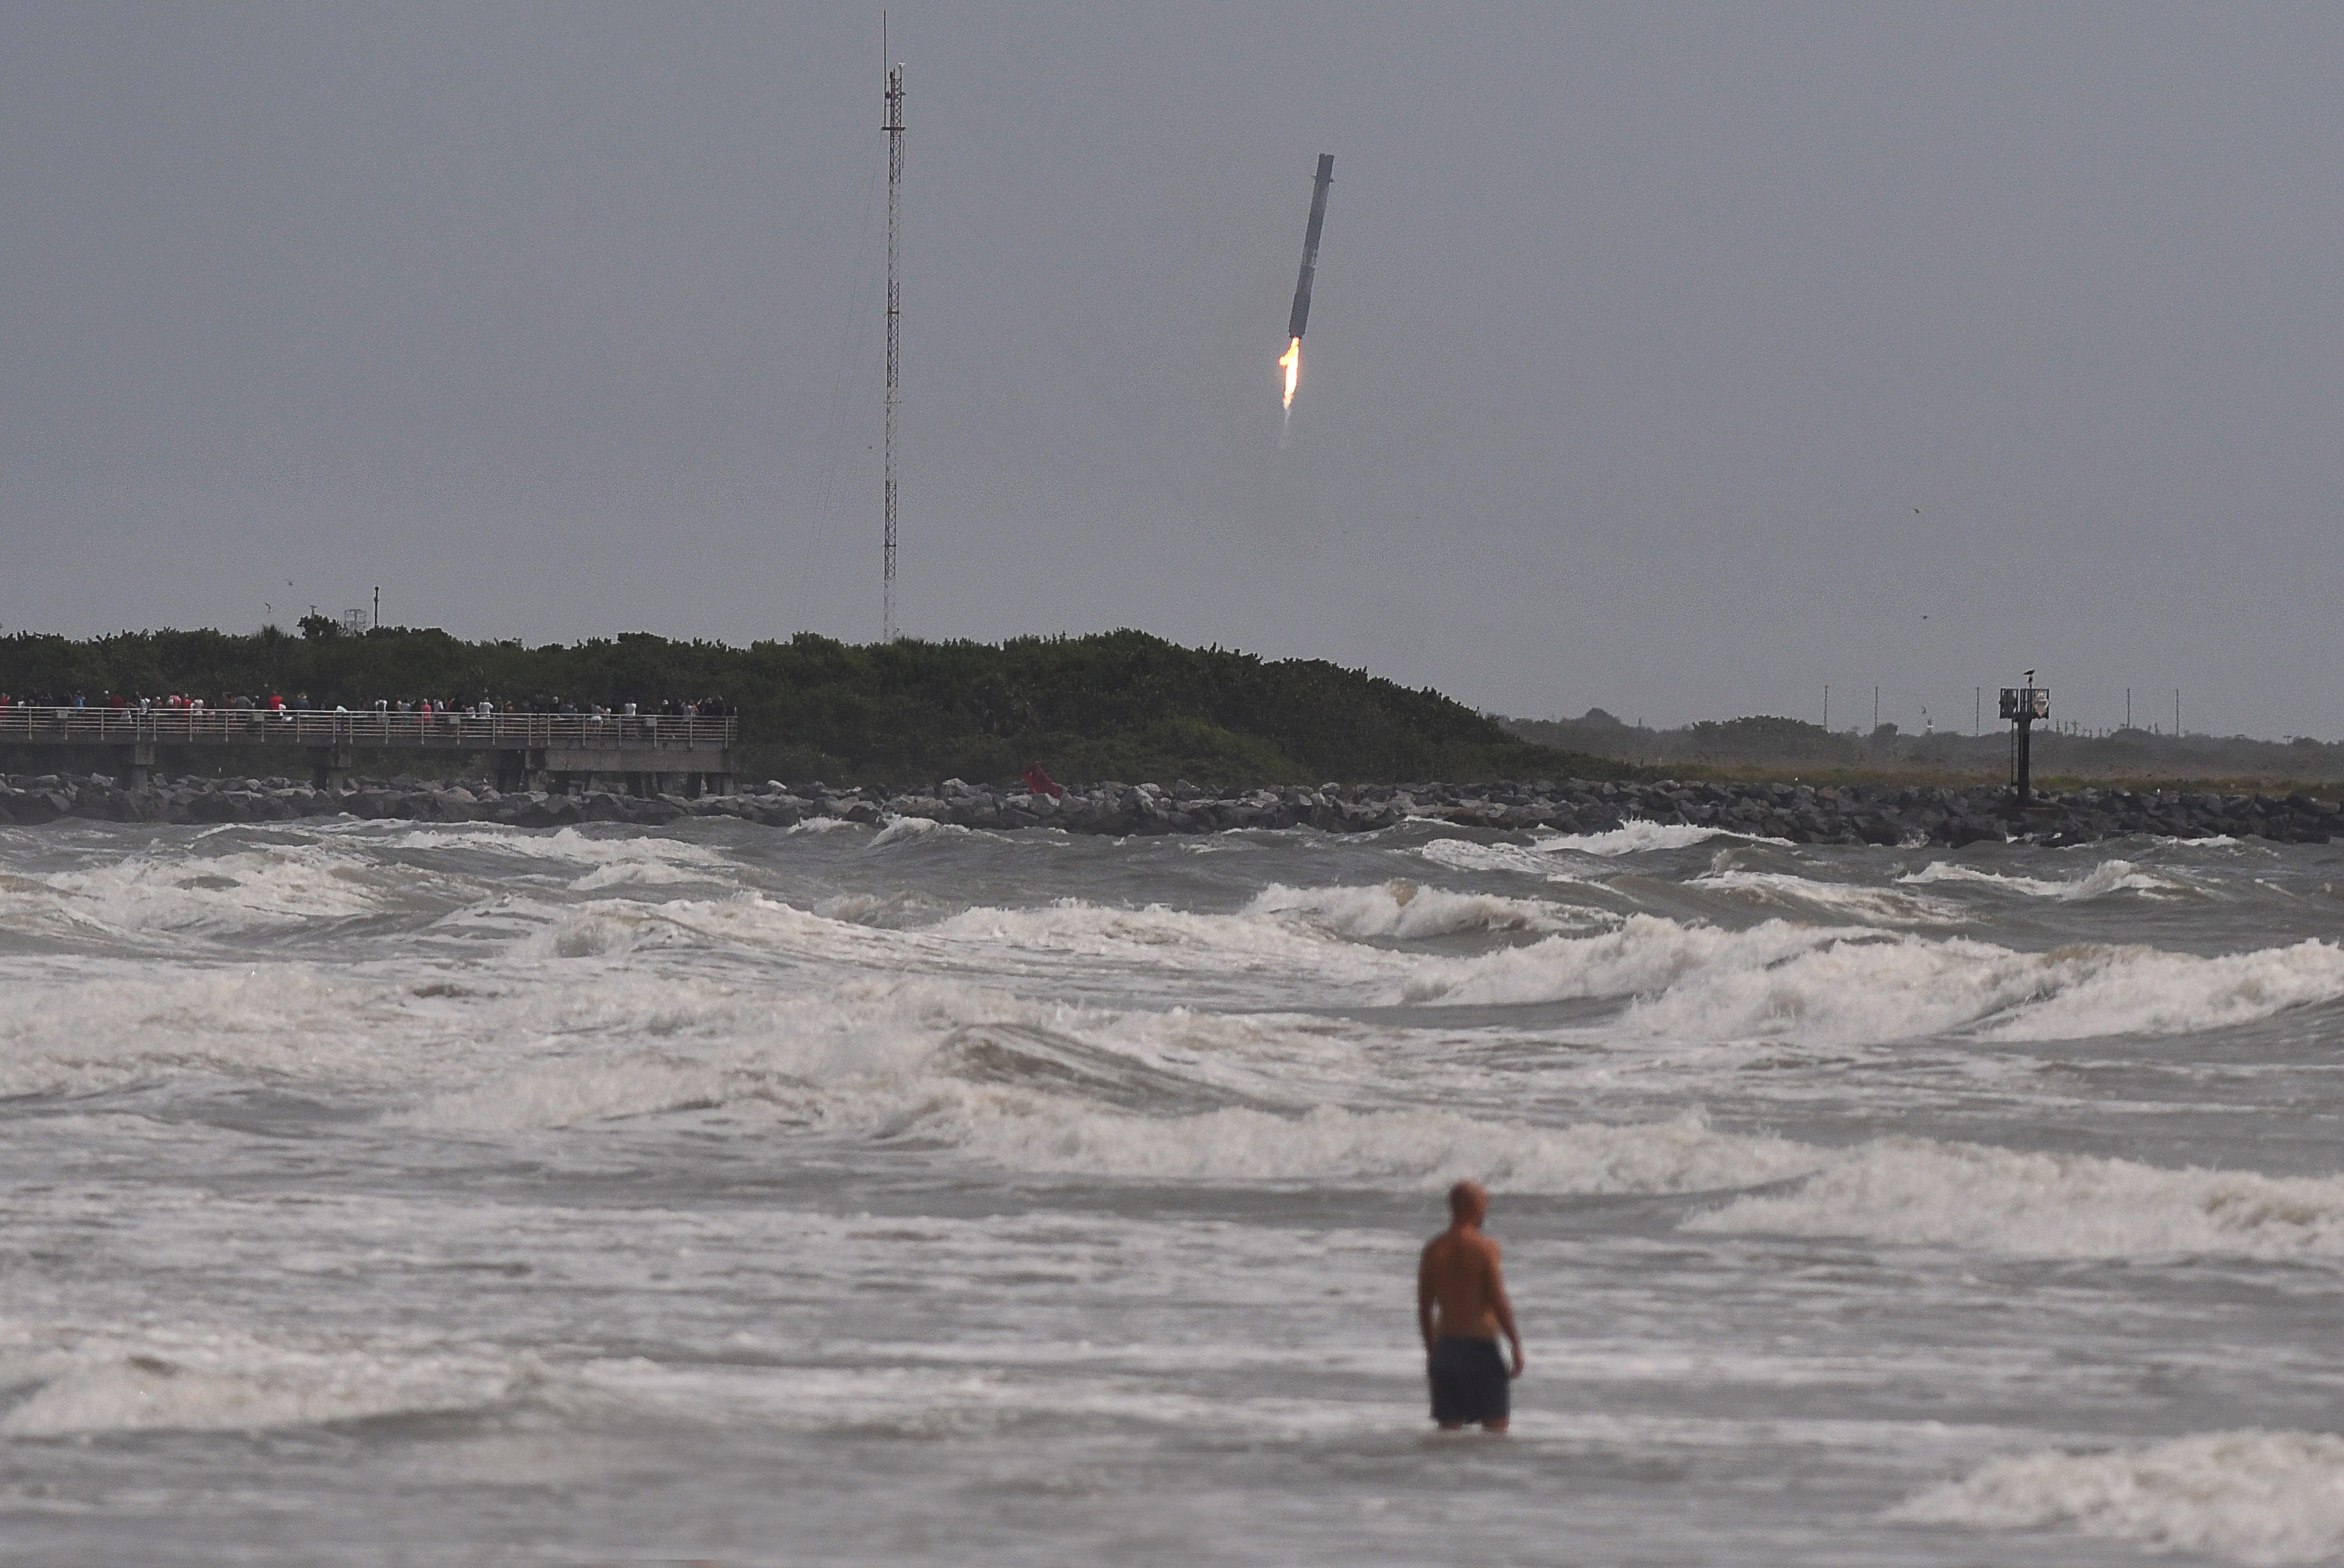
point(1301, 319)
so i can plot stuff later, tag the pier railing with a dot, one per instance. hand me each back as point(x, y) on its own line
point(453, 730)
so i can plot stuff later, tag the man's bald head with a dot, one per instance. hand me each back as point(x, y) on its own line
point(1469, 1203)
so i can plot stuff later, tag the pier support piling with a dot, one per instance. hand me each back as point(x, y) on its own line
point(329, 765)
point(134, 767)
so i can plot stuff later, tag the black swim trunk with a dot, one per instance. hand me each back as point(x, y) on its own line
point(1468, 1380)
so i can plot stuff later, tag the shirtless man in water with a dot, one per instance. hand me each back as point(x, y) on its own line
point(1462, 1308)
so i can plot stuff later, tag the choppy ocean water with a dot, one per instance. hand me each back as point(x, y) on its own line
point(392, 1193)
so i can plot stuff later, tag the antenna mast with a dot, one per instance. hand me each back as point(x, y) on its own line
point(894, 129)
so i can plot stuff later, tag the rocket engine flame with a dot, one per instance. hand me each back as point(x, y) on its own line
point(1291, 360)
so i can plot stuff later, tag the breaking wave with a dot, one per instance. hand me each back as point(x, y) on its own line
point(147, 1393)
point(2255, 1497)
point(637, 874)
point(242, 890)
point(563, 843)
point(1077, 1092)
point(1409, 911)
point(122, 1024)
point(1647, 953)
point(258, 884)
point(1123, 1093)
point(1472, 855)
point(1844, 985)
point(2108, 877)
point(1838, 900)
point(1095, 1093)
point(2101, 991)
point(1421, 1149)
point(1638, 836)
point(1983, 1199)
point(901, 828)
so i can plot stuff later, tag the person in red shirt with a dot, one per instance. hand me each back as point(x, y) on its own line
point(1041, 783)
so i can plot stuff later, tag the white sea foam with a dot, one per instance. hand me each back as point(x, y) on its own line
point(1840, 985)
point(1409, 911)
point(1842, 900)
point(1042, 1088)
point(1471, 855)
point(1018, 1083)
point(2108, 877)
point(564, 844)
point(2252, 1496)
point(1980, 1198)
point(894, 909)
point(750, 922)
point(1421, 1149)
point(616, 1044)
point(250, 889)
point(1115, 1093)
point(576, 1093)
point(120, 1022)
point(1647, 953)
point(298, 882)
point(146, 1392)
point(1045, 1086)
point(637, 874)
point(1830, 987)
point(1243, 946)
point(1539, 859)
point(902, 828)
point(1836, 990)
point(872, 1056)
point(113, 1024)
point(1638, 835)
point(2143, 991)
point(1031, 1087)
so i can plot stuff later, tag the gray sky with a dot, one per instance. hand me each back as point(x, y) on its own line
point(1639, 334)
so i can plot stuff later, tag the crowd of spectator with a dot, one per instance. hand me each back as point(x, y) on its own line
point(299, 703)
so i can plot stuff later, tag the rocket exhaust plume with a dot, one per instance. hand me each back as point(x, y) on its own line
point(1291, 360)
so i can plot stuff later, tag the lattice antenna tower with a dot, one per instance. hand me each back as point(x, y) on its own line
point(894, 129)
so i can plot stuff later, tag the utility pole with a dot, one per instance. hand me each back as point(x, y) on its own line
point(377, 608)
point(2128, 707)
point(1875, 707)
point(2176, 713)
point(894, 129)
point(1827, 707)
point(1977, 710)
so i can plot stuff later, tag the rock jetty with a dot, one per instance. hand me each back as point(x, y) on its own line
point(1849, 814)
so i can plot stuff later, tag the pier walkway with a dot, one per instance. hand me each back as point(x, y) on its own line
point(654, 753)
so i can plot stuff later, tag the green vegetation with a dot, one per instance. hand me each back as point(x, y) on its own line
point(1779, 748)
point(1121, 705)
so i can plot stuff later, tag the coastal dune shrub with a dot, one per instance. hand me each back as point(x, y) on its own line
point(1118, 704)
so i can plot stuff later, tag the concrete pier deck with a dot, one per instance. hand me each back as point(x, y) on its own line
point(653, 752)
